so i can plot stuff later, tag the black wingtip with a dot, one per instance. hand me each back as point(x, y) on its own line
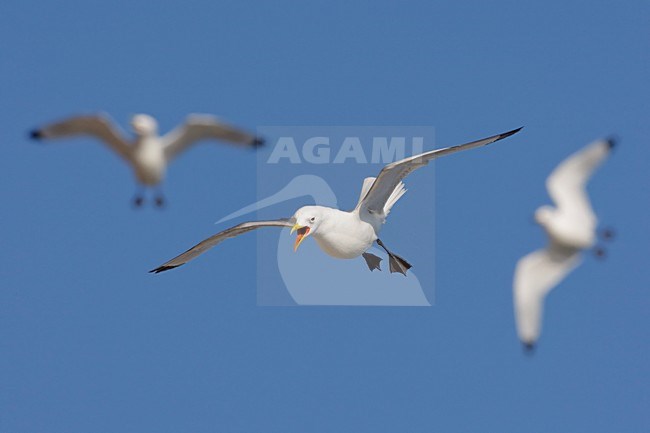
point(529, 347)
point(258, 141)
point(162, 268)
point(612, 141)
point(509, 133)
point(35, 134)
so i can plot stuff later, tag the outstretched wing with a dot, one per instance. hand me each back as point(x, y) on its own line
point(535, 275)
point(210, 242)
point(200, 127)
point(566, 184)
point(392, 174)
point(99, 126)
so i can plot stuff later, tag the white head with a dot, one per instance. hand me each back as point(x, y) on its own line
point(143, 125)
point(308, 219)
point(544, 214)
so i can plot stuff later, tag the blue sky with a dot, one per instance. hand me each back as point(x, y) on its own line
point(91, 342)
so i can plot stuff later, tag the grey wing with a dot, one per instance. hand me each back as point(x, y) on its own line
point(99, 126)
point(392, 174)
point(566, 184)
point(210, 242)
point(201, 127)
point(535, 275)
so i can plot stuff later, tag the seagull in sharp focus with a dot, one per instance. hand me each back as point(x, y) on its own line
point(341, 234)
point(149, 153)
point(570, 227)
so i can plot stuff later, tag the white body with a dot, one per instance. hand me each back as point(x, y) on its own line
point(148, 161)
point(346, 235)
point(343, 234)
point(149, 153)
point(570, 227)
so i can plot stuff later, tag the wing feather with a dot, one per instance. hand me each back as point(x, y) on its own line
point(392, 174)
point(535, 275)
point(367, 184)
point(210, 242)
point(199, 127)
point(566, 184)
point(99, 126)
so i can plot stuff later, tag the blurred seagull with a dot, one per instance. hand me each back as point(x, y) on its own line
point(340, 234)
point(570, 227)
point(148, 154)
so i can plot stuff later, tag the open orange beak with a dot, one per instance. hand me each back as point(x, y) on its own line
point(302, 233)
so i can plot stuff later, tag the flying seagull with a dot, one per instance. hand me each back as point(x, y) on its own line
point(341, 234)
point(149, 153)
point(570, 227)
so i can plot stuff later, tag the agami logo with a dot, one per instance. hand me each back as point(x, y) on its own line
point(361, 150)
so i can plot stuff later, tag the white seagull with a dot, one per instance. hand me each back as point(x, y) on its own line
point(570, 227)
point(340, 234)
point(148, 154)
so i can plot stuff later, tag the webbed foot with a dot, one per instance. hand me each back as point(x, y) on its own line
point(395, 262)
point(372, 261)
point(138, 200)
point(607, 234)
point(600, 252)
point(398, 264)
point(159, 201)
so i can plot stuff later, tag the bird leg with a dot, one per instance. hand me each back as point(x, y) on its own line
point(372, 261)
point(600, 252)
point(395, 262)
point(138, 200)
point(159, 201)
point(607, 234)
point(159, 197)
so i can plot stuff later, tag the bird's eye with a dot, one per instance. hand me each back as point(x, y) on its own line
point(312, 219)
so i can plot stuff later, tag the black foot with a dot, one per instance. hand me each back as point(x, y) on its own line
point(395, 262)
point(160, 201)
point(258, 141)
point(138, 201)
point(372, 261)
point(398, 264)
point(35, 134)
point(607, 234)
point(600, 253)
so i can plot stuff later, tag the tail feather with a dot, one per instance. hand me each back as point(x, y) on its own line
point(397, 193)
